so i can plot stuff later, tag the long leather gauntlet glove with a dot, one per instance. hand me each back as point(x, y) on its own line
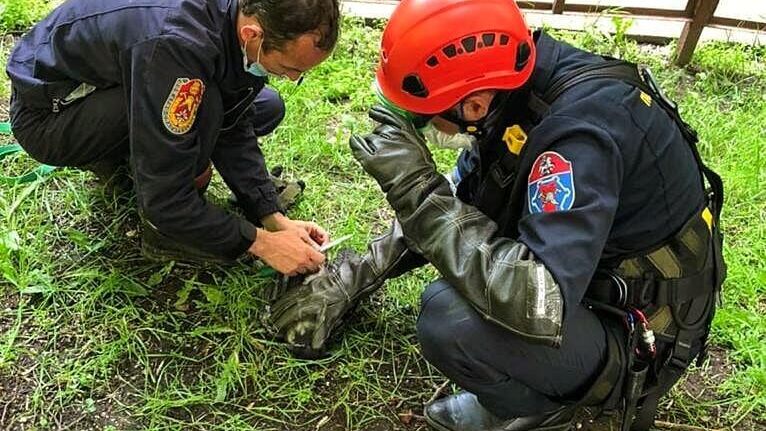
point(307, 314)
point(499, 276)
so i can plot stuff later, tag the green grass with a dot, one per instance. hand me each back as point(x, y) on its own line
point(92, 335)
point(17, 15)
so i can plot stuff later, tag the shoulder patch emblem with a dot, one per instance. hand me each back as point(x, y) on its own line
point(181, 106)
point(550, 185)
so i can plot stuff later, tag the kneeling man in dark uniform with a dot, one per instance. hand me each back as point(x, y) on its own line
point(172, 88)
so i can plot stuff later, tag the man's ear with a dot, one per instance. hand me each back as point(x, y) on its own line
point(250, 31)
point(476, 105)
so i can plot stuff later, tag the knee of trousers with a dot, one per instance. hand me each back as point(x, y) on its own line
point(27, 127)
point(443, 327)
point(269, 111)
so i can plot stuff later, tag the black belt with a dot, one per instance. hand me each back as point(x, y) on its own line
point(610, 288)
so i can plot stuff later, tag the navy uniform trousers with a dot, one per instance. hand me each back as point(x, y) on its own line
point(511, 377)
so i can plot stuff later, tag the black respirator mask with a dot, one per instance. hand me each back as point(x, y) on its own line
point(481, 127)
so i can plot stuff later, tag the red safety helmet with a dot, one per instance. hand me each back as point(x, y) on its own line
point(434, 53)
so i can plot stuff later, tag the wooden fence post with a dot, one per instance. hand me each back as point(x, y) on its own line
point(703, 12)
point(558, 6)
point(689, 10)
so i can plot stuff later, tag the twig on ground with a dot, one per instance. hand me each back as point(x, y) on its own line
point(438, 392)
point(5, 409)
point(71, 424)
point(322, 422)
point(681, 427)
point(407, 417)
point(57, 422)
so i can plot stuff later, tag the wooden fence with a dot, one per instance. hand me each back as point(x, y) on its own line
point(695, 16)
point(698, 14)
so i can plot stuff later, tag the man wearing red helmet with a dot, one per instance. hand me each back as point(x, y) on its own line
point(580, 254)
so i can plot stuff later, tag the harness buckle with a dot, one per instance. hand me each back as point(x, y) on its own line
point(648, 78)
point(622, 288)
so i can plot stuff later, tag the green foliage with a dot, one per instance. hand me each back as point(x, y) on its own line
point(92, 336)
point(615, 43)
point(6, 43)
point(735, 63)
point(17, 15)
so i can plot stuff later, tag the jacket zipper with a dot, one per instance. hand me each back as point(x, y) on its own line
point(58, 104)
point(237, 106)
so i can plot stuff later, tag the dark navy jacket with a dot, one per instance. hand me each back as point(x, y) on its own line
point(145, 47)
point(632, 181)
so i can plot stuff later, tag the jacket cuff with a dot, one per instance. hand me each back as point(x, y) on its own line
point(264, 204)
point(247, 233)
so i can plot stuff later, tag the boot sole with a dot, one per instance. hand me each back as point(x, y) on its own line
point(158, 255)
point(436, 425)
point(561, 427)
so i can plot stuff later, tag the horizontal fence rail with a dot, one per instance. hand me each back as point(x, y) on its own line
point(698, 13)
point(695, 17)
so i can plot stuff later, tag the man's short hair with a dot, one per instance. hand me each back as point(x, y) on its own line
point(286, 20)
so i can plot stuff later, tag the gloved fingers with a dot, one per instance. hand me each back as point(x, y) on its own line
point(285, 307)
point(320, 335)
point(293, 316)
point(281, 318)
point(384, 115)
point(320, 328)
point(301, 345)
point(360, 147)
point(315, 340)
point(398, 136)
point(388, 132)
point(299, 333)
point(306, 337)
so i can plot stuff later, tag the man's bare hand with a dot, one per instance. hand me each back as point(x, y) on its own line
point(279, 222)
point(290, 251)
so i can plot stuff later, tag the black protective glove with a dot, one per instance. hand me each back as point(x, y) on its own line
point(309, 309)
point(500, 277)
point(395, 154)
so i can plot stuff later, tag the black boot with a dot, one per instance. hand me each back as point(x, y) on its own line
point(158, 247)
point(112, 174)
point(289, 192)
point(462, 412)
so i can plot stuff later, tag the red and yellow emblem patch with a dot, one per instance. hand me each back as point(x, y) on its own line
point(181, 106)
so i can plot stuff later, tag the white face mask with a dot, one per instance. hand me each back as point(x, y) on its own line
point(458, 141)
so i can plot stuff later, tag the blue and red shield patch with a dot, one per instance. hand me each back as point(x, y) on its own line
point(550, 184)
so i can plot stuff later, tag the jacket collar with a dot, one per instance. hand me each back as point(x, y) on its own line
point(547, 57)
